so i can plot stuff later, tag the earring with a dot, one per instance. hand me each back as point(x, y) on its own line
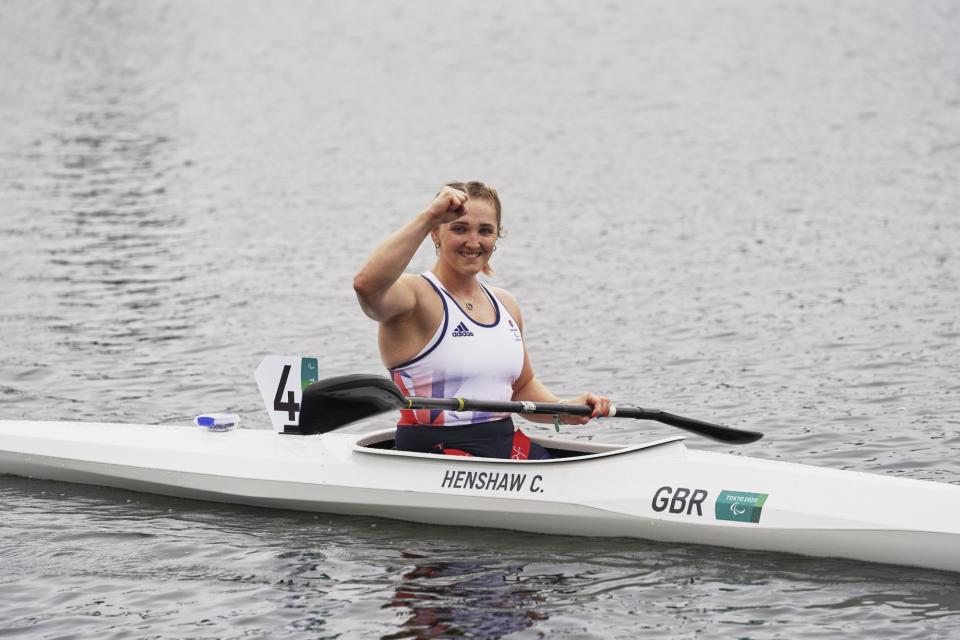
point(494, 248)
point(437, 247)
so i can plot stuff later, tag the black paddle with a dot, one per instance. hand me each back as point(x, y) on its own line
point(336, 402)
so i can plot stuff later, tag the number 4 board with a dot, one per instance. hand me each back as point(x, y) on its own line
point(281, 380)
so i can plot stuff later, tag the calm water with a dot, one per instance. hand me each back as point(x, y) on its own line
point(742, 211)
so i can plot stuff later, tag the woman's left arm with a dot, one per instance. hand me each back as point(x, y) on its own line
point(528, 387)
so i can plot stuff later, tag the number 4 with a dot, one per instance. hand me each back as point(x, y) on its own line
point(291, 406)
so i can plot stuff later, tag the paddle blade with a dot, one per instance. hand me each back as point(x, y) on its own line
point(336, 402)
point(699, 427)
point(708, 430)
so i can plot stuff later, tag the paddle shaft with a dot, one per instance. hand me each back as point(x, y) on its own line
point(513, 406)
point(713, 431)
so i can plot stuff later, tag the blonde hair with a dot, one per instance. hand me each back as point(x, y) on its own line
point(482, 191)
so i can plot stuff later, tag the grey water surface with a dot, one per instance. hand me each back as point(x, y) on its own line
point(740, 211)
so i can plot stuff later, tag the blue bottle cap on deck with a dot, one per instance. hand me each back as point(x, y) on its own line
point(217, 421)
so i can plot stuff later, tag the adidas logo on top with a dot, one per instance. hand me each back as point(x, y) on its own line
point(461, 330)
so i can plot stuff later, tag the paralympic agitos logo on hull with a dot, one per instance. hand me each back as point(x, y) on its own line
point(736, 506)
point(739, 506)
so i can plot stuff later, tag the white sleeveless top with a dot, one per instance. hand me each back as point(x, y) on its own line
point(465, 359)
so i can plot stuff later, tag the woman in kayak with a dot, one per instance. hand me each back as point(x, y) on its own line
point(445, 334)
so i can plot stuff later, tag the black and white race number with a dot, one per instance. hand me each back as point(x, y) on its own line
point(281, 380)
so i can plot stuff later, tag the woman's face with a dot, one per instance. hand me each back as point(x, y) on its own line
point(467, 242)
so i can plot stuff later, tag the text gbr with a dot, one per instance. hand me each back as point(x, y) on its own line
point(679, 500)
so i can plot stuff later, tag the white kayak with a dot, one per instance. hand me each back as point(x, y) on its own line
point(657, 491)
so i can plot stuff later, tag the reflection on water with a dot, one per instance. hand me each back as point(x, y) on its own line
point(464, 599)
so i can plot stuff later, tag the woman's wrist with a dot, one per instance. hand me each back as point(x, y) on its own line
point(426, 220)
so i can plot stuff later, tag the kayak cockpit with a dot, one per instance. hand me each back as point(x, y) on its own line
point(561, 450)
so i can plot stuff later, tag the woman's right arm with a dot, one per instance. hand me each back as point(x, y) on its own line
point(382, 293)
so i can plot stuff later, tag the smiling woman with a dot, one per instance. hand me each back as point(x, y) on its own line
point(444, 333)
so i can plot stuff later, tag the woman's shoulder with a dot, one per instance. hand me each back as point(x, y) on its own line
point(425, 310)
point(412, 279)
point(508, 300)
point(416, 281)
point(501, 293)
